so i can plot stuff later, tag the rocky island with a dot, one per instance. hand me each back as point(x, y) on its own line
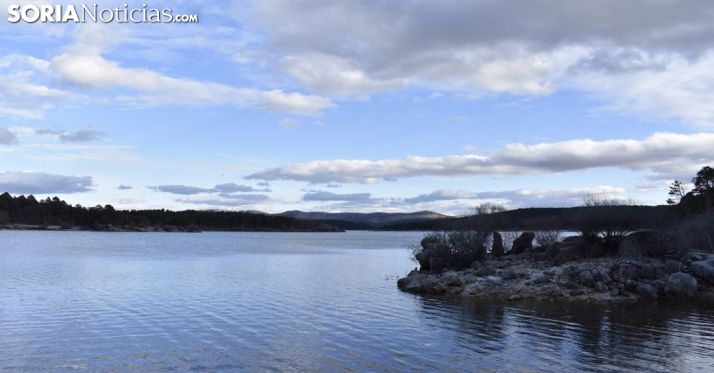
point(571, 269)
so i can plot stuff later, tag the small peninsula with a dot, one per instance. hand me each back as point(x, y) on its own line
point(611, 252)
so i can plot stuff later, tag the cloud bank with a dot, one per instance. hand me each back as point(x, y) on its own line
point(227, 188)
point(652, 58)
point(663, 154)
point(42, 183)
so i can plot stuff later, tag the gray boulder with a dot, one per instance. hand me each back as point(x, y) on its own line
point(630, 247)
point(587, 278)
point(421, 283)
point(631, 285)
point(703, 270)
point(672, 266)
point(627, 271)
point(646, 291)
point(603, 276)
point(552, 250)
point(568, 253)
point(681, 285)
point(647, 271)
point(497, 245)
point(600, 287)
point(429, 245)
point(539, 279)
point(573, 240)
point(595, 250)
point(452, 278)
point(522, 243)
point(659, 285)
point(510, 274)
point(485, 271)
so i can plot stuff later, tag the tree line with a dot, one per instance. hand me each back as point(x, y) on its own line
point(27, 210)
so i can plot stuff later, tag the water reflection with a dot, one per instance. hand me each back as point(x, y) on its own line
point(653, 337)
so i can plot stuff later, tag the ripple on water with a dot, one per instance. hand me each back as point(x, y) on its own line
point(286, 302)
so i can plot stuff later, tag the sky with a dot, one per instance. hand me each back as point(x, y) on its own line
point(360, 106)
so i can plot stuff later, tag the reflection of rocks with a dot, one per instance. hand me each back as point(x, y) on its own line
point(568, 274)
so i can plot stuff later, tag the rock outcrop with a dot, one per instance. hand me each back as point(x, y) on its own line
point(522, 243)
point(566, 274)
point(497, 250)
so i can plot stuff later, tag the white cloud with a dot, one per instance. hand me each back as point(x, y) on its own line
point(26, 90)
point(324, 196)
point(94, 71)
point(83, 135)
point(664, 154)
point(226, 201)
point(6, 136)
point(223, 189)
point(288, 122)
point(83, 64)
point(651, 58)
point(523, 197)
point(42, 183)
point(676, 88)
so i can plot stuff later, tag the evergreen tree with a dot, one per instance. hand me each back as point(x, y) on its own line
point(676, 192)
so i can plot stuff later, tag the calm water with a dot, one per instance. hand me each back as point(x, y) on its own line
point(297, 302)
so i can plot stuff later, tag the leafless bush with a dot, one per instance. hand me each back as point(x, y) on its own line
point(547, 237)
point(453, 249)
point(603, 219)
point(696, 232)
point(508, 238)
point(488, 208)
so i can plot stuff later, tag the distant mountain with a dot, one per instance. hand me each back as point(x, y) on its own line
point(353, 220)
point(562, 218)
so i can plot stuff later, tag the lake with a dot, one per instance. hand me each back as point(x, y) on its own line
point(93, 301)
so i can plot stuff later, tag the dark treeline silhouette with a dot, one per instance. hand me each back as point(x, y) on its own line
point(700, 199)
point(28, 210)
point(605, 227)
point(547, 218)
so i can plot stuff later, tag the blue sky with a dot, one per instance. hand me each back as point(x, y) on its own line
point(360, 106)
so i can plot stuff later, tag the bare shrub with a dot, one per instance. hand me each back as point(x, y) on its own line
point(696, 232)
point(453, 249)
point(488, 208)
point(547, 237)
point(604, 219)
point(508, 238)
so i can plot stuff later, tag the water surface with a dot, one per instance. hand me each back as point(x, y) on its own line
point(157, 302)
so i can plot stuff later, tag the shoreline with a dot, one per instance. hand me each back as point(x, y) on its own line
point(149, 229)
point(587, 280)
